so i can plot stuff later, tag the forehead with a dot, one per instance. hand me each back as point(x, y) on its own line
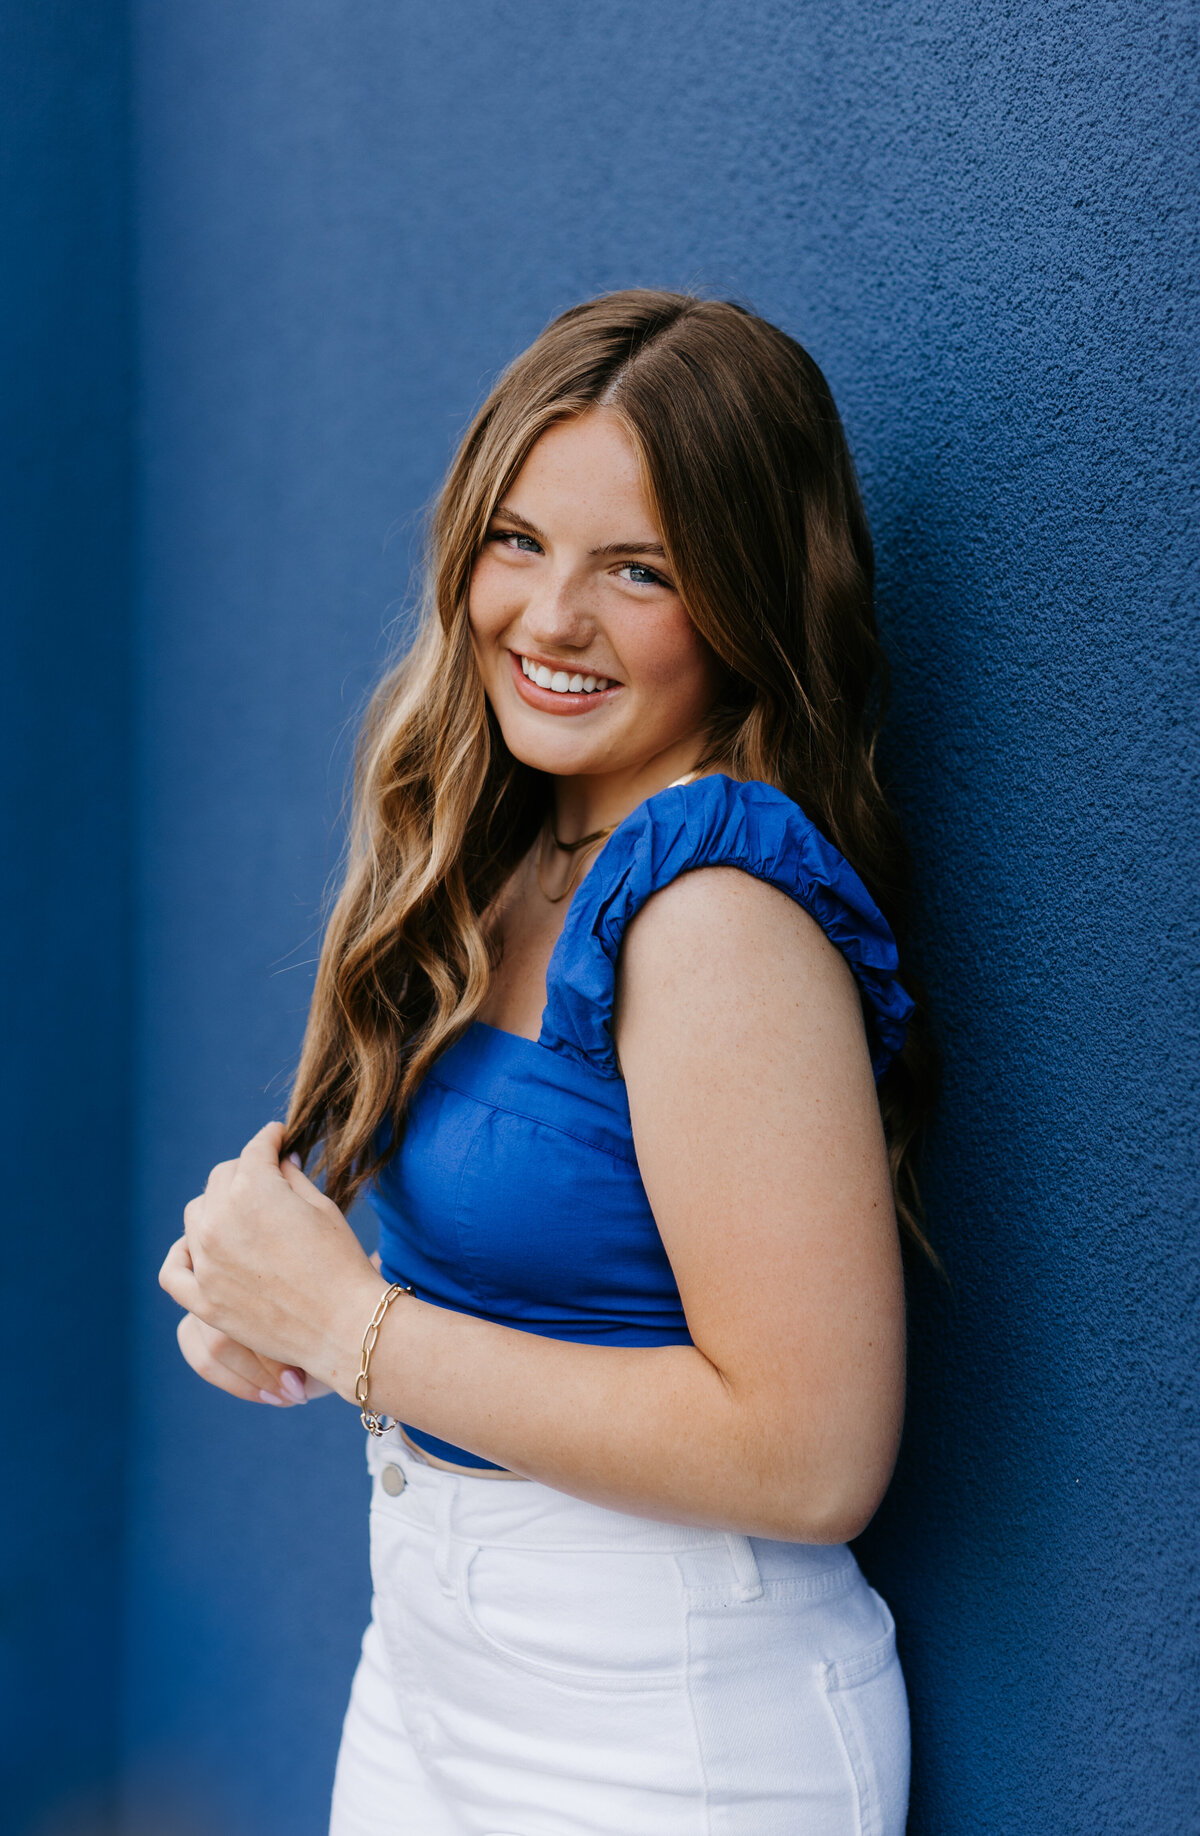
point(585, 473)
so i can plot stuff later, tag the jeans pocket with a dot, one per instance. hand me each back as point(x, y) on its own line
point(869, 1702)
point(604, 1619)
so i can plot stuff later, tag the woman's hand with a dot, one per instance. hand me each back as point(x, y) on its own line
point(266, 1260)
point(239, 1371)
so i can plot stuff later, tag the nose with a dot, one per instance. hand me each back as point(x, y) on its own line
point(558, 614)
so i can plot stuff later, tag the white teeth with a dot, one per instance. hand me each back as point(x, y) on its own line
point(559, 681)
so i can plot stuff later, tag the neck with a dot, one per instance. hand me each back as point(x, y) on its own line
point(601, 801)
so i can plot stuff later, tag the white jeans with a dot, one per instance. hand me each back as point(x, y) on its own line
point(539, 1666)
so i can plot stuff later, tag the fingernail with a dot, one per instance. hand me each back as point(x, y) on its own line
point(292, 1385)
point(269, 1396)
point(295, 1159)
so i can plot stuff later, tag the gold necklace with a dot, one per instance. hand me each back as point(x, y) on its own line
point(575, 847)
point(585, 841)
point(570, 847)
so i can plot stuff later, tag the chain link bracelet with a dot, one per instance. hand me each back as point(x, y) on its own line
point(371, 1420)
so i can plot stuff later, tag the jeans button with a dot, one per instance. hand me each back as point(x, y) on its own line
point(392, 1481)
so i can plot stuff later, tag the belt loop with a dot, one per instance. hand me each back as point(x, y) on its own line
point(442, 1531)
point(745, 1567)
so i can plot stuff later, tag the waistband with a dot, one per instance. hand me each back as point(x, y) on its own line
point(452, 1506)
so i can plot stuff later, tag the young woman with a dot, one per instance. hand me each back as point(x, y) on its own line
point(610, 1029)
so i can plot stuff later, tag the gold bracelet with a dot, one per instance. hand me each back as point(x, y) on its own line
point(371, 1421)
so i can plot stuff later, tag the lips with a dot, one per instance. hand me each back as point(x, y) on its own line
point(563, 700)
point(561, 681)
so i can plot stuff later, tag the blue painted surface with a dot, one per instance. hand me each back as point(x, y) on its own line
point(65, 1087)
point(980, 222)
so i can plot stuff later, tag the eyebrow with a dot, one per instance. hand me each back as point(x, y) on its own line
point(609, 548)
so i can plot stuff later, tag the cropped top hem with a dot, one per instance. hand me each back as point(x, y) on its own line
point(446, 1450)
point(650, 1337)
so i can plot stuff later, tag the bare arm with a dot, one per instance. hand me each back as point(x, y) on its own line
point(759, 1139)
point(762, 1151)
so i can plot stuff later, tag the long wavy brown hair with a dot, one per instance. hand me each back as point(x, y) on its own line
point(759, 510)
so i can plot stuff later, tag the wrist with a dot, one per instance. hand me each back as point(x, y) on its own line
point(341, 1351)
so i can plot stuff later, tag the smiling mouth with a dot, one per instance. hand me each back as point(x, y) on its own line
point(562, 681)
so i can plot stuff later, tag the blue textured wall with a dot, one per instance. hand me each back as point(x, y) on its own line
point(64, 813)
point(980, 222)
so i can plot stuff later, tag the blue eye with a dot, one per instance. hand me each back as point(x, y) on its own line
point(514, 538)
point(642, 576)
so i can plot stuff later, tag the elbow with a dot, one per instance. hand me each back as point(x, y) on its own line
point(844, 1519)
point(807, 1520)
point(834, 1508)
point(822, 1483)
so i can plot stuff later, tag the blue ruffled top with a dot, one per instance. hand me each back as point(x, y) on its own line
point(515, 1194)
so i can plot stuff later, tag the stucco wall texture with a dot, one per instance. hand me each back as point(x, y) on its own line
point(980, 221)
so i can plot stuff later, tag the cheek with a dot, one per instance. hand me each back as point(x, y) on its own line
point(489, 601)
point(670, 659)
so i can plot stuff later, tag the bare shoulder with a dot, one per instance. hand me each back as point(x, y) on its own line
point(739, 1020)
point(720, 933)
point(724, 974)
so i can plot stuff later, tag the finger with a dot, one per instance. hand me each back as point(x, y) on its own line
point(284, 1381)
point(210, 1355)
point(220, 1176)
point(210, 1352)
point(262, 1149)
point(178, 1278)
point(258, 1373)
point(301, 1183)
point(181, 1244)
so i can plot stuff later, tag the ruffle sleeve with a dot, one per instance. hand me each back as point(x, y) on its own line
point(714, 822)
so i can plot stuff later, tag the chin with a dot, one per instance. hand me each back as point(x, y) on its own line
point(560, 761)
